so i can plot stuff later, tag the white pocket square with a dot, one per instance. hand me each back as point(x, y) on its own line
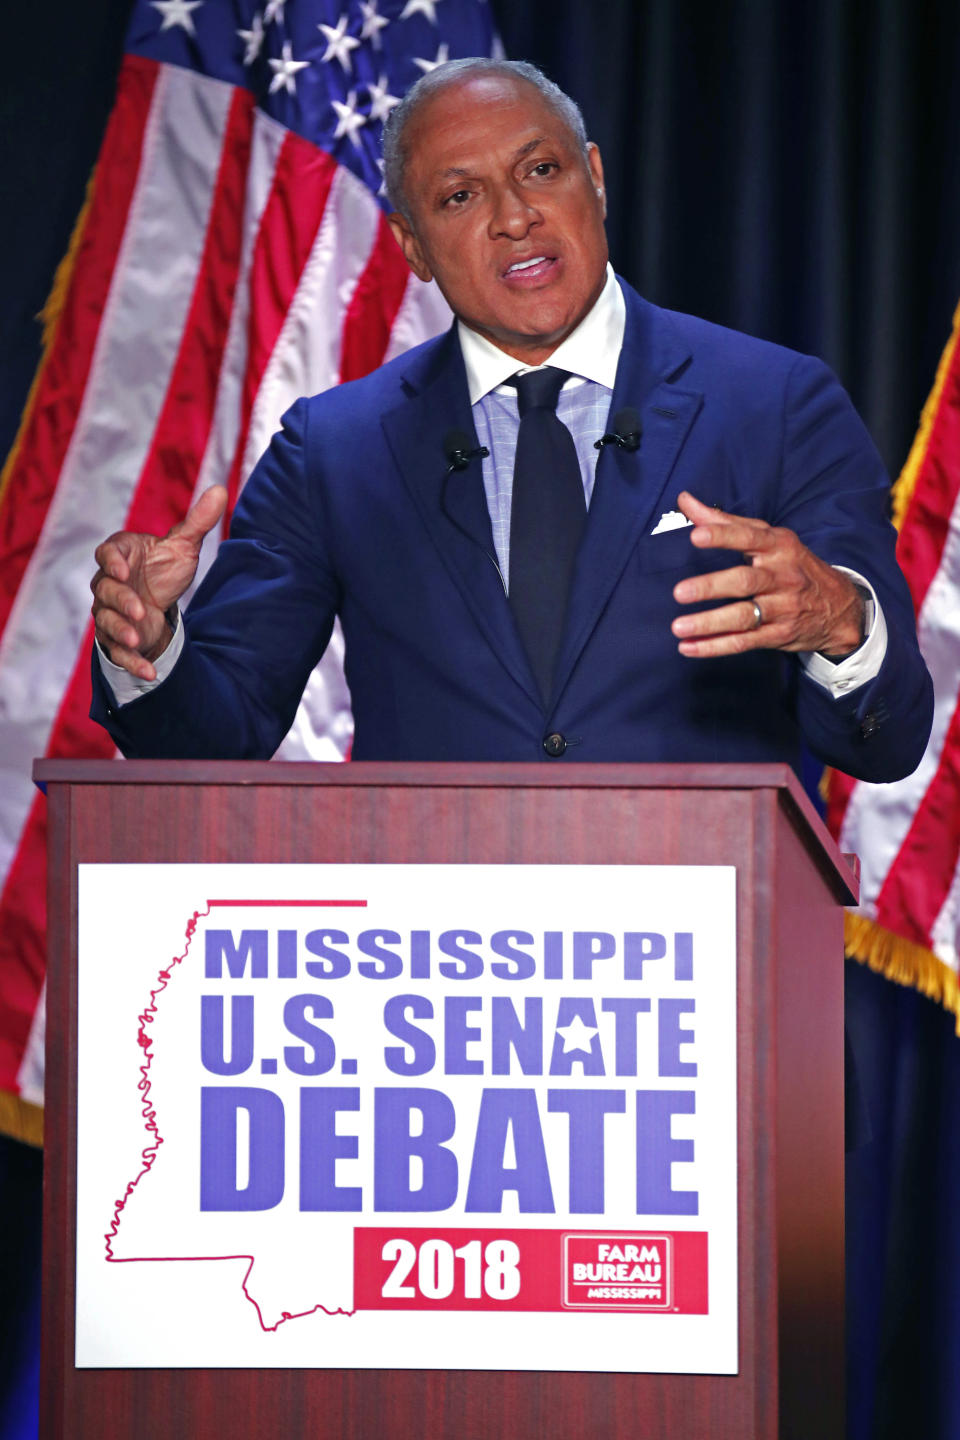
point(670, 520)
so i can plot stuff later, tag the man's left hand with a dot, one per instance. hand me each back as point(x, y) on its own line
point(784, 598)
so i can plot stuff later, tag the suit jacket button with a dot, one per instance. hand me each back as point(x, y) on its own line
point(555, 745)
point(869, 725)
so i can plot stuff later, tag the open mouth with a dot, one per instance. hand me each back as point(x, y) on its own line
point(533, 268)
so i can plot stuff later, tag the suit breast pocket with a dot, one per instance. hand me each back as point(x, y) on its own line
point(669, 551)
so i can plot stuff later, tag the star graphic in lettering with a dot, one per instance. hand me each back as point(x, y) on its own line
point(177, 12)
point(420, 7)
point(284, 71)
point(381, 101)
point(373, 23)
point(577, 1035)
point(443, 55)
point(274, 11)
point(339, 43)
point(349, 119)
point(253, 39)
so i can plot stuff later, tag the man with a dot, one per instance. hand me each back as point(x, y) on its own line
point(376, 503)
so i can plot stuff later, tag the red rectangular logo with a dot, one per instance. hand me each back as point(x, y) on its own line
point(462, 1269)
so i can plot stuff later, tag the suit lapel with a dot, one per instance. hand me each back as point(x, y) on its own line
point(454, 507)
point(629, 488)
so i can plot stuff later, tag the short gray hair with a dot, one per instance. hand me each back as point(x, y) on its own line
point(395, 150)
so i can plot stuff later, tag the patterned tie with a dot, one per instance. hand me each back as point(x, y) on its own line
point(546, 520)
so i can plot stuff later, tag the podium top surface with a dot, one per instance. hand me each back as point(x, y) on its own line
point(463, 775)
point(434, 772)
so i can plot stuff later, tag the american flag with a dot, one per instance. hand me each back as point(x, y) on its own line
point(232, 255)
point(908, 834)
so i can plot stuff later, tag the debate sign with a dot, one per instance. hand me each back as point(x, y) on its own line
point(385, 1115)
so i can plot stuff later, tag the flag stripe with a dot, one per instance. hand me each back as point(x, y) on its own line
point(927, 524)
point(167, 481)
point(22, 943)
point(266, 145)
point(836, 789)
point(43, 443)
point(922, 836)
point(306, 357)
point(22, 904)
point(919, 879)
point(945, 930)
point(373, 310)
point(422, 314)
point(923, 472)
point(291, 219)
point(30, 1071)
point(878, 819)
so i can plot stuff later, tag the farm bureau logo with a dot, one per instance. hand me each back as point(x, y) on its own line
point(618, 1272)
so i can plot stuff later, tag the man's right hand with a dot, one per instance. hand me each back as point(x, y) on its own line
point(140, 577)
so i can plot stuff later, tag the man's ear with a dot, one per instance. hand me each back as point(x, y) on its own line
point(410, 245)
point(595, 166)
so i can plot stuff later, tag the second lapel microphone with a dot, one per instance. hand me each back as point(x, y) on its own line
point(626, 432)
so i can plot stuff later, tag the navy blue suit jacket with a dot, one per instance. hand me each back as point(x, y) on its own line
point(350, 512)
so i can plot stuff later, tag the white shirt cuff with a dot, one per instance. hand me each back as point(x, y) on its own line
point(127, 687)
point(864, 664)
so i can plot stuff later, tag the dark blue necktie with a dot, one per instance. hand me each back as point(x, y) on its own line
point(546, 520)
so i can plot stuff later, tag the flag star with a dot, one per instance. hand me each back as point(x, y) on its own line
point(177, 12)
point(381, 166)
point(274, 11)
point(349, 119)
point(421, 7)
point(339, 43)
point(577, 1035)
point(284, 70)
point(381, 102)
point(253, 39)
point(373, 23)
point(443, 55)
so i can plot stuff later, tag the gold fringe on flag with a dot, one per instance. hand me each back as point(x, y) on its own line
point(906, 482)
point(901, 960)
point(21, 1120)
point(49, 318)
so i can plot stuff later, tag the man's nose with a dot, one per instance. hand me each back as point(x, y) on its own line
point(513, 214)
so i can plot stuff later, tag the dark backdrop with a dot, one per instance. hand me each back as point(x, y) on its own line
point(791, 169)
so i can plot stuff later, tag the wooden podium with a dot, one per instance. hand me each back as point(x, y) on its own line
point(791, 885)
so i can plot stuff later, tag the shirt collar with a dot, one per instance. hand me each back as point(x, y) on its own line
point(591, 351)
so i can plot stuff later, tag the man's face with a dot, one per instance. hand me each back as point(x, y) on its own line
point(506, 213)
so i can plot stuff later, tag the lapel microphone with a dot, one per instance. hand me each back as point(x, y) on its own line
point(457, 452)
point(626, 431)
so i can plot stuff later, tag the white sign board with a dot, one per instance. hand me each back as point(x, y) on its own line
point(407, 1116)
